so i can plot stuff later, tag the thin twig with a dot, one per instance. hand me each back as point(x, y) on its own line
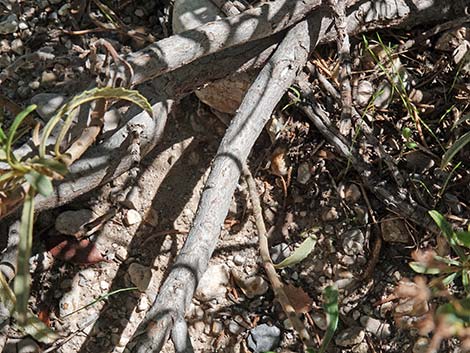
point(276, 283)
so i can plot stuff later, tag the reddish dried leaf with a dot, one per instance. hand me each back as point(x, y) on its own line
point(69, 249)
point(300, 300)
point(43, 315)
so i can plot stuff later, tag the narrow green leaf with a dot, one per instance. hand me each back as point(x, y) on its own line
point(7, 297)
point(449, 279)
point(299, 254)
point(332, 315)
point(443, 225)
point(22, 279)
point(12, 132)
point(466, 280)
point(455, 148)
point(52, 164)
point(85, 97)
point(102, 297)
point(463, 238)
point(34, 327)
point(38, 329)
point(39, 182)
point(420, 268)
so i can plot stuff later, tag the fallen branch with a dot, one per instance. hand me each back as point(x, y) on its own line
point(398, 201)
point(272, 17)
point(94, 168)
point(276, 283)
point(173, 52)
point(176, 292)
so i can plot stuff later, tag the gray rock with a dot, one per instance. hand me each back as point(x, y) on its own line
point(320, 320)
point(9, 24)
point(350, 337)
point(264, 338)
point(353, 242)
point(279, 252)
point(17, 46)
point(234, 328)
point(303, 173)
point(419, 161)
point(394, 230)
point(48, 104)
point(364, 92)
point(72, 222)
point(376, 327)
point(253, 286)
point(213, 284)
point(140, 275)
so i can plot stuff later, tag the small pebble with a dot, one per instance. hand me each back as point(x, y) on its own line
point(213, 283)
point(264, 338)
point(143, 304)
point(350, 337)
point(320, 320)
point(17, 46)
point(139, 13)
point(132, 217)
point(234, 328)
point(376, 327)
point(216, 328)
point(238, 260)
point(139, 275)
point(104, 285)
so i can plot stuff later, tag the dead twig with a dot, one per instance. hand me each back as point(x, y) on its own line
point(398, 201)
point(259, 102)
point(344, 58)
point(276, 283)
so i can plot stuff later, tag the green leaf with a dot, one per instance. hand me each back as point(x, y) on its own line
point(299, 254)
point(466, 280)
point(406, 133)
point(420, 268)
point(332, 315)
point(102, 297)
point(22, 279)
point(449, 279)
point(52, 164)
point(463, 238)
point(85, 97)
point(443, 225)
point(39, 182)
point(33, 326)
point(12, 132)
point(455, 148)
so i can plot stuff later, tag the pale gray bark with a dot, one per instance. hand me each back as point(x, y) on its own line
point(176, 293)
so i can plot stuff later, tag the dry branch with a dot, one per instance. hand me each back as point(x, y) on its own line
point(176, 292)
point(272, 17)
point(398, 201)
point(93, 169)
point(170, 53)
point(274, 278)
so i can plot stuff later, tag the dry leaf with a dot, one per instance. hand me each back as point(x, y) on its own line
point(300, 300)
point(69, 249)
point(279, 162)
